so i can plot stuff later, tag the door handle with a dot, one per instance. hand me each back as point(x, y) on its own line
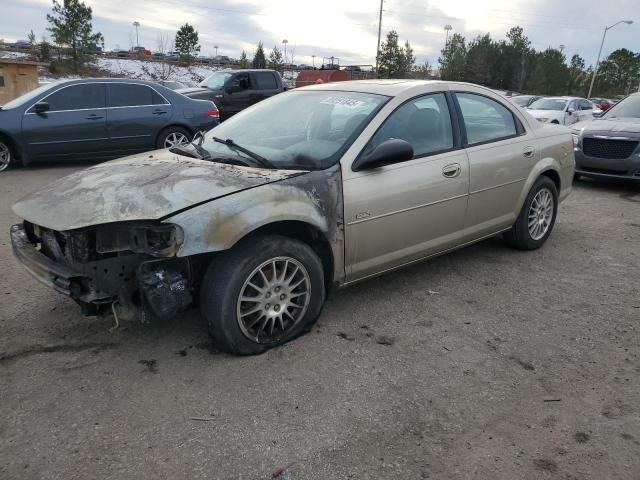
point(528, 152)
point(159, 112)
point(452, 170)
point(93, 116)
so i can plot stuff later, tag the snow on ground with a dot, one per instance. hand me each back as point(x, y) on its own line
point(14, 55)
point(151, 70)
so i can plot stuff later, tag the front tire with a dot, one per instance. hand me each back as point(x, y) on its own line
point(537, 217)
point(261, 294)
point(172, 137)
point(6, 155)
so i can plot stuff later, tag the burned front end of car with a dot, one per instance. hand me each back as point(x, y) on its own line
point(128, 268)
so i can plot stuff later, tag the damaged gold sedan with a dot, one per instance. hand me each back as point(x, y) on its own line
point(259, 219)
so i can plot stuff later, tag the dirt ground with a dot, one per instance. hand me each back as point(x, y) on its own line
point(487, 363)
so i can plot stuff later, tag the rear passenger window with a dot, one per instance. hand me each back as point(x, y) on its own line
point(77, 97)
point(424, 123)
point(266, 81)
point(132, 95)
point(485, 120)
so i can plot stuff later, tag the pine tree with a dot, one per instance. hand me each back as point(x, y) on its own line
point(275, 60)
point(453, 59)
point(395, 61)
point(259, 59)
point(244, 61)
point(186, 43)
point(70, 24)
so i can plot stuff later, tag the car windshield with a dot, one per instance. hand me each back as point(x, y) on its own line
point(306, 130)
point(629, 108)
point(216, 81)
point(21, 100)
point(549, 104)
point(521, 101)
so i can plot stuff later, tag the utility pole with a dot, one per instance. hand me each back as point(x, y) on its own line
point(313, 58)
point(379, 33)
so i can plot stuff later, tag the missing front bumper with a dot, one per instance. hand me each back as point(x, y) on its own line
point(45, 270)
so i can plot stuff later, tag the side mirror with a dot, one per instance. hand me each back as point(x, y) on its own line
point(42, 107)
point(388, 152)
point(570, 110)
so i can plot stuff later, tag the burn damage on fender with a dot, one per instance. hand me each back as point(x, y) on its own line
point(138, 244)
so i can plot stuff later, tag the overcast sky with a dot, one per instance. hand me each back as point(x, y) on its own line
point(344, 28)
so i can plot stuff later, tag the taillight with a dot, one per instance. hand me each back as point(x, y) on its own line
point(213, 113)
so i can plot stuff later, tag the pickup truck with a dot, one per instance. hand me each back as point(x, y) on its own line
point(235, 90)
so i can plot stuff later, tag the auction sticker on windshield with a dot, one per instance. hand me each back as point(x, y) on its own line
point(345, 102)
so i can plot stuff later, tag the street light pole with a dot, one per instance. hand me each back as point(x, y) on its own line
point(313, 58)
point(595, 70)
point(284, 42)
point(447, 28)
point(137, 24)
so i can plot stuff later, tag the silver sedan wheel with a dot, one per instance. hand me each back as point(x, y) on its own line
point(174, 139)
point(5, 157)
point(541, 214)
point(273, 299)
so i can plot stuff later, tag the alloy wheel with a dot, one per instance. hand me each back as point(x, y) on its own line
point(273, 299)
point(540, 214)
point(174, 139)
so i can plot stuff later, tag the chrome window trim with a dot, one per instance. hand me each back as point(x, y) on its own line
point(27, 112)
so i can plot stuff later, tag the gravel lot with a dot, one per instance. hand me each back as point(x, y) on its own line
point(487, 363)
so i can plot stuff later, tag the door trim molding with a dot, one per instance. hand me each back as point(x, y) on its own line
point(493, 187)
point(415, 207)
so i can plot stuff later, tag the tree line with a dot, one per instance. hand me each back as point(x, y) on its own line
point(512, 64)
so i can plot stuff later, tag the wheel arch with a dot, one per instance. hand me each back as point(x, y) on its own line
point(303, 232)
point(12, 142)
point(172, 125)
point(546, 167)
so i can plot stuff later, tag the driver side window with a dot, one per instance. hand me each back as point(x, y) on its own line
point(424, 122)
point(240, 82)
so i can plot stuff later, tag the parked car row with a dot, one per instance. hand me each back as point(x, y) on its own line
point(99, 119)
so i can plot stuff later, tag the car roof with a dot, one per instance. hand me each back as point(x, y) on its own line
point(388, 87)
point(105, 80)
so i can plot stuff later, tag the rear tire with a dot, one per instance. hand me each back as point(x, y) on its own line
point(172, 137)
point(537, 217)
point(261, 294)
point(7, 156)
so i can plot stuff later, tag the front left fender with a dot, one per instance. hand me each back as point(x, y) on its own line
point(314, 198)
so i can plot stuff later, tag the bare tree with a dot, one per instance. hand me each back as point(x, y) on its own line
point(163, 69)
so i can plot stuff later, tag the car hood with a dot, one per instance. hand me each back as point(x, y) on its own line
point(629, 126)
point(147, 187)
point(545, 113)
